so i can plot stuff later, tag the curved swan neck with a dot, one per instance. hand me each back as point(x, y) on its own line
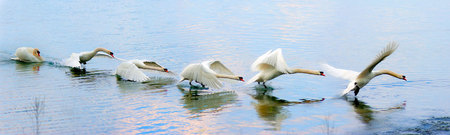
point(90, 55)
point(306, 71)
point(101, 49)
point(384, 71)
point(37, 54)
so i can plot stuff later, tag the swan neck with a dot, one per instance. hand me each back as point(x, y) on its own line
point(388, 72)
point(227, 76)
point(306, 71)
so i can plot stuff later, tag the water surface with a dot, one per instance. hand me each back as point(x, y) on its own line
point(345, 34)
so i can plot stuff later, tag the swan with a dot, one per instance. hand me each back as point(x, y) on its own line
point(132, 69)
point(272, 65)
point(76, 60)
point(28, 54)
point(207, 73)
point(359, 80)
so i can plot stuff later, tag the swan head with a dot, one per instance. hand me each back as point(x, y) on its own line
point(240, 78)
point(111, 53)
point(321, 73)
point(404, 77)
point(36, 52)
point(165, 70)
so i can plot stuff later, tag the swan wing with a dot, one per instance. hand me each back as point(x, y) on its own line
point(152, 64)
point(340, 73)
point(129, 71)
point(388, 50)
point(273, 58)
point(101, 55)
point(218, 67)
point(201, 74)
point(349, 88)
point(73, 61)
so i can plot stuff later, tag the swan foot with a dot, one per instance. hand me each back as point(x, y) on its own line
point(264, 84)
point(356, 90)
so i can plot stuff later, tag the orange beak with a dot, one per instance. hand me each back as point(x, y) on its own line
point(242, 80)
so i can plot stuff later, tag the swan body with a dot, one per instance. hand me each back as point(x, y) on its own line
point(77, 59)
point(208, 73)
point(272, 64)
point(28, 54)
point(361, 79)
point(132, 69)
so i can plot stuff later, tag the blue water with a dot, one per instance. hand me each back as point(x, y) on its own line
point(345, 34)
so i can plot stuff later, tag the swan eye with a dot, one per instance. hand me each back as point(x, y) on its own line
point(356, 83)
point(165, 70)
point(38, 52)
point(240, 78)
point(111, 53)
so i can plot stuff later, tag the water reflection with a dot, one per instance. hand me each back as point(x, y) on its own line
point(154, 83)
point(26, 66)
point(204, 101)
point(91, 76)
point(272, 109)
point(364, 111)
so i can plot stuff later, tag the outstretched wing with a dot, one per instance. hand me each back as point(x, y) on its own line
point(73, 61)
point(129, 71)
point(340, 73)
point(217, 67)
point(152, 64)
point(273, 58)
point(390, 48)
point(201, 74)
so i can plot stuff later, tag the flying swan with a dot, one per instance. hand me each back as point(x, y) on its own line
point(208, 73)
point(133, 69)
point(76, 60)
point(359, 80)
point(272, 64)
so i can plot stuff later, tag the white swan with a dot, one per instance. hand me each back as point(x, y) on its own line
point(272, 65)
point(207, 73)
point(28, 54)
point(359, 80)
point(77, 59)
point(132, 69)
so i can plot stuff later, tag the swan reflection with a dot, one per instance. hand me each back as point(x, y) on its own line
point(273, 109)
point(25, 66)
point(154, 83)
point(205, 101)
point(366, 112)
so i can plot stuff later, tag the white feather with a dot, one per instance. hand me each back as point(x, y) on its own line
point(25, 54)
point(340, 73)
point(217, 67)
point(73, 61)
point(129, 71)
point(273, 58)
point(361, 79)
point(201, 74)
point(133, 69)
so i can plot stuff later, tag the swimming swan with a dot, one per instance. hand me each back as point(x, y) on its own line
point(28, 54)
point(359, 80)
point(272, 65)
point(207, 73)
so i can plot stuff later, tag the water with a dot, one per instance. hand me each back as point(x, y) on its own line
point(176, 33)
